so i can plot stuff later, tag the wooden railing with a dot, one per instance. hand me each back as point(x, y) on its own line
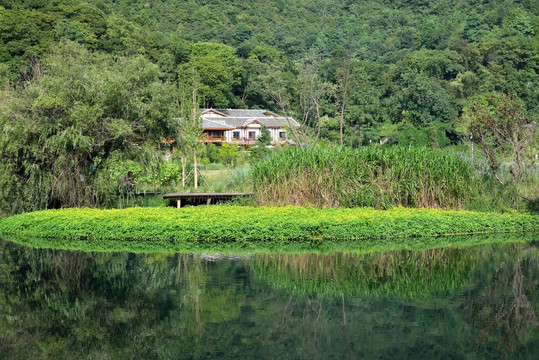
point(243, 141)
point(213, 138)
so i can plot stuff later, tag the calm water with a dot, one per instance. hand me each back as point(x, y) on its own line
point(473, 303)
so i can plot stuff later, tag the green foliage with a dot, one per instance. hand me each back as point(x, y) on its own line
point(494, 40)
point(191, 227)
point(212, 153)
point(499, 125)
point(421, 100)
point(229, 154)
point(148, 173)
point(217, 67)
point(435, 63)
point(27, 31)
point(260, 150)
point(265, 137)
point(79, 109)
point(243, 32)
point(410, 68)
point(380, 177)
point(492, 195)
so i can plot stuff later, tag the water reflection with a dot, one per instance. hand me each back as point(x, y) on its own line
point(449, 303)
point(504, 311)
point(401, 274)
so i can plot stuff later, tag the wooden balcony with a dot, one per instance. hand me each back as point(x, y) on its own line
point(212, 138)
point(207, 138)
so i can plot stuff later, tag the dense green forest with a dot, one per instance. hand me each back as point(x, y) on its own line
point(84, 81)
point(406, 65)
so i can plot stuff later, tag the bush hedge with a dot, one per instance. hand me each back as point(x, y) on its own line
point(191, 226)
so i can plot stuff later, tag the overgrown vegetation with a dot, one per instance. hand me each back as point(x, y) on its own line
point(379, 177)
point(181, 229)
point(494, 196)
point(65, 131)
point(499, 125)
point(83, 82)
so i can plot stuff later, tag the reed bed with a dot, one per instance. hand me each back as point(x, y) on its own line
point(379, 177)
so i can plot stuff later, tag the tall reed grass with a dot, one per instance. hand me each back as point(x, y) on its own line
point(380, 177)
point(492, 195)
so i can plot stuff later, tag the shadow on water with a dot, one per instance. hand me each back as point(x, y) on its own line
point(470, 303)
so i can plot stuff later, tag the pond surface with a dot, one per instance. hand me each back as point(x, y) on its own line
point(470, 303)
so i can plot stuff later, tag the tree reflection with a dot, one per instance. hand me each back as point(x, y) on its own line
point(64, 305)
point(502, 313)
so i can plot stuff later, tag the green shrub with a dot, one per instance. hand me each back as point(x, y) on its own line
point(181, 229)
point(492, 195)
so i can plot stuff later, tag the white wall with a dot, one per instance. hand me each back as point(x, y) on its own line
point(244, 133)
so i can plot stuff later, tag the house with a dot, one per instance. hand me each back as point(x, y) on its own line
point(243, 127)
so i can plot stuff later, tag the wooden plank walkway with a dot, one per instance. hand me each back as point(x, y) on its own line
point(194, 197)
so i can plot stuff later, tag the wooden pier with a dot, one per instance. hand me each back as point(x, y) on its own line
point(203, 198)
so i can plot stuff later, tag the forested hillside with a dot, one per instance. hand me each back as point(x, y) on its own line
point(82, 82)
point(403, 69)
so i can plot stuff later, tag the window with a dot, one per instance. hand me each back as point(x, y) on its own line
point(252, 135)
point(236, 135)
point(282, 135)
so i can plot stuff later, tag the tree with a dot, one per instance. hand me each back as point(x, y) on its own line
point(344, 85)
point(217, 67)
point(265, 137)
point(498, 124)
point(243, 32)
point(301, 95)
point(229, 154)
point(78, 110)
point(260, 149)
point(422, 101)
point(190, 131)
point(312, 88)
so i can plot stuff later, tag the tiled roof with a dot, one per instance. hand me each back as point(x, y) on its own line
point(236, 118)
point(212, 124)
point(243, 113)
point(272, 121)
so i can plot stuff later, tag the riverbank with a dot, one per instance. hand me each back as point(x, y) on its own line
point(209, 228)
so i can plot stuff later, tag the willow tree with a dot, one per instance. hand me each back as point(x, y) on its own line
point(76, 111)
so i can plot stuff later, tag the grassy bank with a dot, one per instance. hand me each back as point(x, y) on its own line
point(380, 177)
point(169, 229)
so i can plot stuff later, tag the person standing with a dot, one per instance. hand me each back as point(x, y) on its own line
point(129, 182)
